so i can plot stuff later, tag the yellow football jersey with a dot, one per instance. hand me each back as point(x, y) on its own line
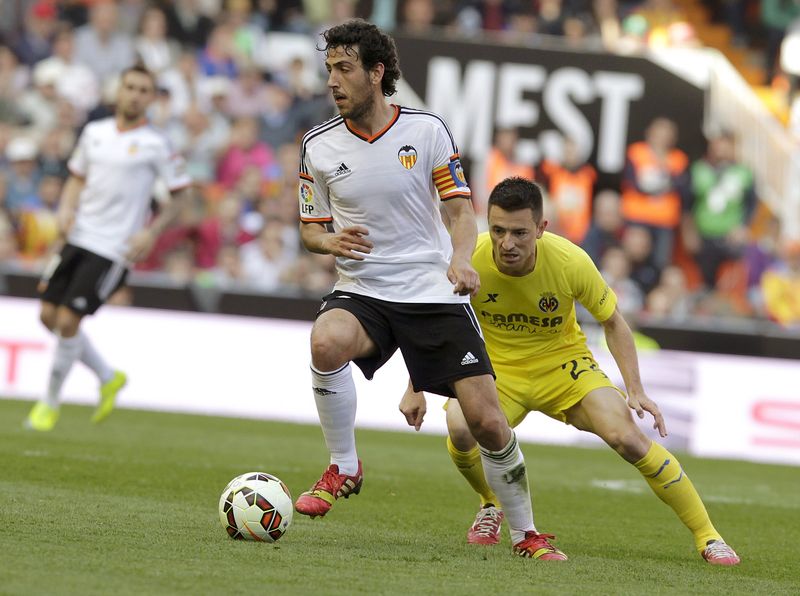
point(530, 320)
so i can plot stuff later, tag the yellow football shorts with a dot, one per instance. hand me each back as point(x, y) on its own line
point(552, 387)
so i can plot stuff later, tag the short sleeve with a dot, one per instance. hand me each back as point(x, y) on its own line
point(312, 193)
point(171, 169)
point(78, 164)
point(589, 287)
point(448, 174)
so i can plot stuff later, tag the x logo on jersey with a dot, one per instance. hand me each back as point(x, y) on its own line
point(491, 298)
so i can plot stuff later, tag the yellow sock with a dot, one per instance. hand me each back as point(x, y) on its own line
point(471, 468)
point(664, 474)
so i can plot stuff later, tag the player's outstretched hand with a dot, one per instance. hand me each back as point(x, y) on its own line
point(139, 245)
point(349, 242)
point(464, 278)
point(641, 403)
point(413, 407)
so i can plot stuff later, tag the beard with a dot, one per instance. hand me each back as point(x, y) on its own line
point(359, 110)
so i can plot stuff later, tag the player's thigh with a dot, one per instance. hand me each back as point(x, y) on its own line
point(67, 321)
point(93, 280)
point(441, 344)
point(339, 333)
point(477, 396)
point(47, 314)
point(602, 411)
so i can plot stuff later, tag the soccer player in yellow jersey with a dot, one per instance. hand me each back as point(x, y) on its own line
point(530, 280)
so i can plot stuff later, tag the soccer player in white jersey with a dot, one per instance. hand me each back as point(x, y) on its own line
point(102, 215)
point(371, 182)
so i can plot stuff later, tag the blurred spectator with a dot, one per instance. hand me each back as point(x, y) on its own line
point(53, 155)
point(228, 272)
point(246, 150)
point(501, 163)
point(218, 55)
point(75, 81)
point(39, 106)
point(8, 240)
point(417, 16)
point(570, 185)
point(14, 77)
point(247, 37)
point(607, 226)
point(311, 274)
point(187, 24)
point(222, 229)
point(790, 56)
point(776, 15)
point(100, 46)
point(33, 44)
point(281, 118)
point(38, 225)
point(248, 94)
point(265, 258)
point(654, 185)
point(670, 299)
point(22, 179)
point(152, 46)
point(721, 207)
point(200, 138)
point(781, 286)
point(184, 83)
point(551, 17)
point(638, 245)
point(494, 15)
point(616, 270)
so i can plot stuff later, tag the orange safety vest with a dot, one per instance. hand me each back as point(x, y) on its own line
point(571, 193)
point(662, 210)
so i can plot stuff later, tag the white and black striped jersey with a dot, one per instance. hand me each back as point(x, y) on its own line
point(392, 184)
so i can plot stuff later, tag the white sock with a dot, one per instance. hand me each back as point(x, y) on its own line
point(92, 358)
point(68, 350)
point(506, 474)
point(335, 394)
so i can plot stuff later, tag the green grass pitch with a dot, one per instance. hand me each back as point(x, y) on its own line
point(131, 508)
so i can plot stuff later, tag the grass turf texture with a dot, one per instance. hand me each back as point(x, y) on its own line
point(130, 507)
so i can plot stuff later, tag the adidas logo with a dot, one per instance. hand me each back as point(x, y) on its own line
point(342, 170)
point(468, 358)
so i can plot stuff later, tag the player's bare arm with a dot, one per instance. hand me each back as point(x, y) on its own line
point(620, 342)
point(413, 406)
point(68, 204)
point(464, 234)
point(350, 242)
point(142, 242)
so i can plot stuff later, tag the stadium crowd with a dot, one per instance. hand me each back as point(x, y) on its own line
point(240, 81)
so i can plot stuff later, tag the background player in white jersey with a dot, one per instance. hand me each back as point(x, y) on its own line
point(530, 281)
point(376, 174)
point(102, 215)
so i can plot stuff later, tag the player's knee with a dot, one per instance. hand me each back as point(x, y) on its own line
point(628, 441)
point(48, 318)
point(461, 437)
point(328, 351)
point(490, 431)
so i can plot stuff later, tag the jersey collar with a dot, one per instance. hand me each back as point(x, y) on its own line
point(377, 135)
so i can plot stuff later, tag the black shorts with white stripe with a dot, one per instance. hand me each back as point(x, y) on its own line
point(440, 343)
point(81, 280)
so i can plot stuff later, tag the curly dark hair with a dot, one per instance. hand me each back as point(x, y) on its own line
point(515, 193)
point(373, 47)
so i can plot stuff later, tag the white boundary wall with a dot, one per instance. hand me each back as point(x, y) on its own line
point(716, 406)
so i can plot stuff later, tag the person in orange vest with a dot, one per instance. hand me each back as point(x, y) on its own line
point(570, 185)
point(655, 186)
point(501, 163)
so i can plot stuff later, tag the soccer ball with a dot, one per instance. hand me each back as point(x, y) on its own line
point(256, 506)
